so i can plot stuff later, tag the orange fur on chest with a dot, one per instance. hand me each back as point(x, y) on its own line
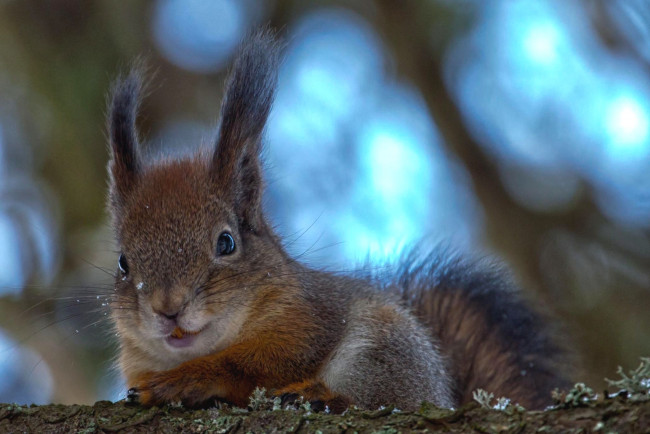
point(269, 354)
point(231, 374)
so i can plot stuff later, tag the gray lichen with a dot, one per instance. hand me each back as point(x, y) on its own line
point(636, 383)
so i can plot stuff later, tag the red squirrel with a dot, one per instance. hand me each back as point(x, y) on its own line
point(208, 305)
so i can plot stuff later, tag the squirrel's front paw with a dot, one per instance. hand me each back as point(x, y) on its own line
point(158, 388)
point(150, 389)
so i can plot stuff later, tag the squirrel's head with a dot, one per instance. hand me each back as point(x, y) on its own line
point(193, 238)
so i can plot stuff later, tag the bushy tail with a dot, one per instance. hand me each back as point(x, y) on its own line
point(491, 337)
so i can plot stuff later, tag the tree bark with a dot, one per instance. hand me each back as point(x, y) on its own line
point(609, 415)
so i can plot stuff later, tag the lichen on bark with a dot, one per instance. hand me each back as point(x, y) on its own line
point(617, 414)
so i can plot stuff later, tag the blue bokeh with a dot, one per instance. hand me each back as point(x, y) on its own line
point(26, 378)
point(28, 220)
point(199, 35)
point(540, 92)
point(355, 163)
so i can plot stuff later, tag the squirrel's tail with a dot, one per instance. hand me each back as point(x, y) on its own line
point(492, 339)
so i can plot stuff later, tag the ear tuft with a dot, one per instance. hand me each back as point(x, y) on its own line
point(250, 89)
point(122, 112)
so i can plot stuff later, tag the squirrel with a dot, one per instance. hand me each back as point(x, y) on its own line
point(208, 305)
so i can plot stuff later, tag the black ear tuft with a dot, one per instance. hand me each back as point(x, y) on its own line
point(250, 90)
point(123, 105)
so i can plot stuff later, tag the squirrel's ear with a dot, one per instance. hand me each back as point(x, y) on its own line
point(250, 89)
point(124, 165)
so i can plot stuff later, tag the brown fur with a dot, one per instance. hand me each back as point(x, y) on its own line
point(493, 339)
point(196, 325)
point(492, 365)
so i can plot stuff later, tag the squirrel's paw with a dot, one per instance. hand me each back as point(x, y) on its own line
point(158, 388)
point(319, 396)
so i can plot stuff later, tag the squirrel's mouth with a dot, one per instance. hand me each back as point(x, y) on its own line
point(181, 338)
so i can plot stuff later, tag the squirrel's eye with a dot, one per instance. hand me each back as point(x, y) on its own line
point(123, 265)
point(225, 244)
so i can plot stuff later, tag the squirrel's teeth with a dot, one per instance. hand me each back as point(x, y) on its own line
point(177, 333)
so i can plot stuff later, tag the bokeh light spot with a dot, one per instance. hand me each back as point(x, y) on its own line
point(541, 42)
point(628, 126)
point(199, 35)
point(395, 167)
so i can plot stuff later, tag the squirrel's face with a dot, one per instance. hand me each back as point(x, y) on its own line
point(184, 274)
point(195, 247)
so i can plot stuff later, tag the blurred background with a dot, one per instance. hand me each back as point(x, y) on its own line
point(515, 129)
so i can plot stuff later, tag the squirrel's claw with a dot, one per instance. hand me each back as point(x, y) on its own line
point(132, 396)
point(154, 389)
point(316, 405)
point(288, 399)
point(318, 395)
